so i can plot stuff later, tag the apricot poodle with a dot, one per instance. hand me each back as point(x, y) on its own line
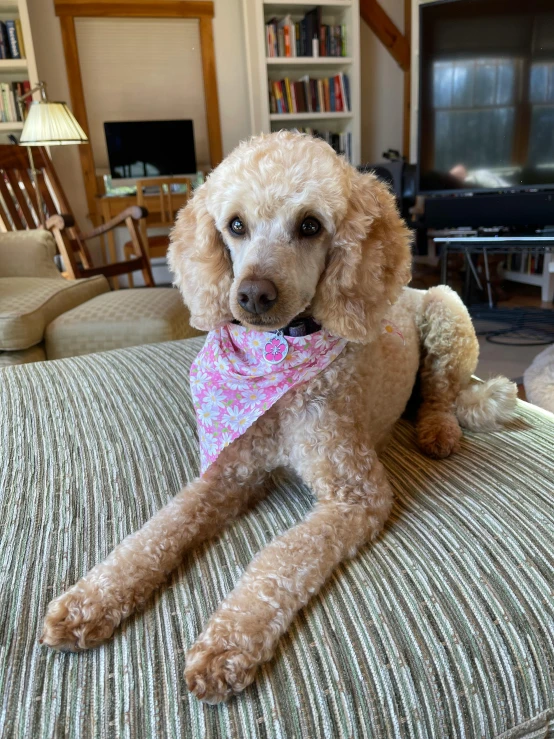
point(286, 228)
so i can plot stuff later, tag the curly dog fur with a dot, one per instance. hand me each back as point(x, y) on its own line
point(330, 430)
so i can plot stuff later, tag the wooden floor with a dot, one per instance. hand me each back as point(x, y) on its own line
point(507, 294)
point(523, 296)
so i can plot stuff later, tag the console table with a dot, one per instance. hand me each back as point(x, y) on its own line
point(486, 245)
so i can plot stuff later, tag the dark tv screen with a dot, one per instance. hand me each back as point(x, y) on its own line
point(486, 113)
point(150, 148)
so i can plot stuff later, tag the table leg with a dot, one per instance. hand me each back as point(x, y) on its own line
point(444, 264)
point(547, 287)
point(473, 270)
point(110, 238)
point(488, 277)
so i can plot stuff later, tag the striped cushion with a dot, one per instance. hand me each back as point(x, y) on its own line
point(442, 628)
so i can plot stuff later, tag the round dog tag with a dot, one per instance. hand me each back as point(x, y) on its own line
point(276, 349)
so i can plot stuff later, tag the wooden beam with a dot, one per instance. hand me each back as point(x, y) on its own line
point(407, 82)
point(210, 90)
point(77, 95)
point(134, 8)
point(387, 33)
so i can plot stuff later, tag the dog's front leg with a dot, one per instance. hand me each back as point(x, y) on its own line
point(353, 504)
point(88, 613)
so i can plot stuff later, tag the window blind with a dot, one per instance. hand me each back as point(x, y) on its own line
point(137, 69)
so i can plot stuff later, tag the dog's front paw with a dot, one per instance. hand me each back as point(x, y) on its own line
point(79, 619)
point(438, 434)
point(215, 672)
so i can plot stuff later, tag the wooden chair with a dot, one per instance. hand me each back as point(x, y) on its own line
point(162, 208)
point(19, 210)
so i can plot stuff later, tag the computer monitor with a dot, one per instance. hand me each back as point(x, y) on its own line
point(150, 148)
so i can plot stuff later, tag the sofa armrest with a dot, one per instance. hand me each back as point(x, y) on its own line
point(28, 254)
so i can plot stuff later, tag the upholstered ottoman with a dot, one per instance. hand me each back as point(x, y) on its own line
point(119, 319)
point(443, 628)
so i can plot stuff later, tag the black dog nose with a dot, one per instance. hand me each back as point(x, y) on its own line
point(257, 296)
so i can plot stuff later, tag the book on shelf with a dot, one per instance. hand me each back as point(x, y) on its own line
point(525, 261)
point(306, 38)
point(9, 92)
point(340, 142)
point(11, 40)
point(306, 95)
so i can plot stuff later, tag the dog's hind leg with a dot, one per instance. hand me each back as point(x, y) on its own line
point(449, 358)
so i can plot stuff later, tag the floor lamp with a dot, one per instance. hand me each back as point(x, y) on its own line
point(47, 124)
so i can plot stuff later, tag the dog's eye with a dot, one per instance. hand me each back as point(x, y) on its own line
point(237, 227)
point(310, 226)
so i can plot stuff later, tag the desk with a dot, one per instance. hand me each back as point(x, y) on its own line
point(503, 245)
point(112, 205)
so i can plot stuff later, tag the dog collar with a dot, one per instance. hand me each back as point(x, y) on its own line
point(297, 327)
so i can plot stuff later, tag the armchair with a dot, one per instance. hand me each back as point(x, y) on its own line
point(19, 210)
point(33, 293)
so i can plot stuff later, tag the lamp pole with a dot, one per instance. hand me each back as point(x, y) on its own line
point(20, 99)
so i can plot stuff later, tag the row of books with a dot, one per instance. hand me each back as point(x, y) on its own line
point(306, 95)
point(341, 142)
point(530, 262)
point(11, 40)
point(308, 37)
point(9, 92)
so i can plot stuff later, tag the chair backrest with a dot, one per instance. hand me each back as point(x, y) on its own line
point(19, 206)
point(163, 197)
point(18, 199)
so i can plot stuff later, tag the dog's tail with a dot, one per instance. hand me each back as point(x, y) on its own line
point(485, 406)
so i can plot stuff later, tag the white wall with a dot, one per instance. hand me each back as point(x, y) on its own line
point(382, 89)
point(231, 82)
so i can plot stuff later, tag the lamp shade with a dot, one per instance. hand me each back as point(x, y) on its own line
point(49, 124)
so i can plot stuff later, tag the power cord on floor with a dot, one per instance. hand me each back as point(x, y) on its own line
point(524, 326)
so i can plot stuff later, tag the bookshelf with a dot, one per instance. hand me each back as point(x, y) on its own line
point(263, 70)
point(17, 70)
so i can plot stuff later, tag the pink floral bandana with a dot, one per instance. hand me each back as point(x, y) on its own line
point(239, 374)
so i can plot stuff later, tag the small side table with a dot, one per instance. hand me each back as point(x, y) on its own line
point(502, 245)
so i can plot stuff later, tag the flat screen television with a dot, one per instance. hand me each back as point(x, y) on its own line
point(486, 100)
point(150, 148)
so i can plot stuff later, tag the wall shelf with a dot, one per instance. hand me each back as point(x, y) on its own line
point(307, 61)
point(13, 65)
point(302, 5)
point(263, 70)
point(17, 70)
point(308, 116)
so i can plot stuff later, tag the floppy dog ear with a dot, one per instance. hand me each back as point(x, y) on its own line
point(369, 263)
point(201, 265)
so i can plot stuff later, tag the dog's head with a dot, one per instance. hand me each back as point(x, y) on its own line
point(283, 226)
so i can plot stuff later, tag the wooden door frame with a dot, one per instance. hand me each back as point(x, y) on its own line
point(68, 10)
